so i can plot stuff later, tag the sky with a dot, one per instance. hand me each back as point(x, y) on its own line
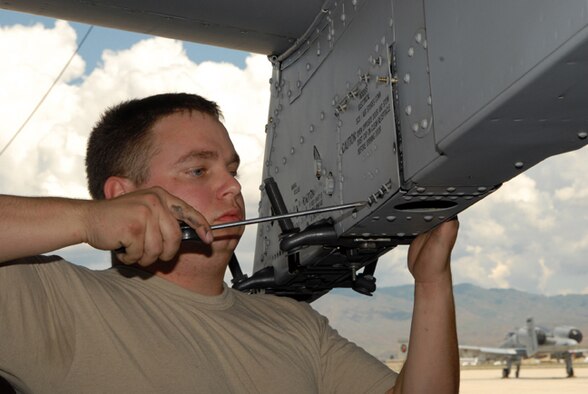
point(530, 235)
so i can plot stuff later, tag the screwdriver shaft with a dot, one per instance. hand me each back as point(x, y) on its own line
point(288, 215)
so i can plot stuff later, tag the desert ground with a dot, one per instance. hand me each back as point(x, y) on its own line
point(534, 379)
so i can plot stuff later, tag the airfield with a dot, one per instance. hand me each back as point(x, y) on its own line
point(533, 379)
point(536, 379)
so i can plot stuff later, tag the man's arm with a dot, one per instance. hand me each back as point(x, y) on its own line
point(432, 363)
point(144, 222)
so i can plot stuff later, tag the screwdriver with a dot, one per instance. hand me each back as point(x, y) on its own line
point(189, 234)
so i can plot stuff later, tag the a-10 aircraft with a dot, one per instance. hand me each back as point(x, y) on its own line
point(531, 341)
point(421, 108)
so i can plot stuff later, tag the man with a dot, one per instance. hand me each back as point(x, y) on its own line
point(161, 320)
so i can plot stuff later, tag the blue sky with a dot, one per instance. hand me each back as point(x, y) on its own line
point(102, 37)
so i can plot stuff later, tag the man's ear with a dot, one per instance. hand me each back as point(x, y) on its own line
point(116, 186)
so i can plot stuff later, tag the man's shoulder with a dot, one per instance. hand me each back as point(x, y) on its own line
point(276, 303)
point(44, 267)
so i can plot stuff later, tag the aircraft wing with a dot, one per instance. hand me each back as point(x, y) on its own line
point(261, 26)
point(490, 353)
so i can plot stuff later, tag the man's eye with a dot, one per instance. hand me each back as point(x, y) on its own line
point(197, 172)
point(235, 174)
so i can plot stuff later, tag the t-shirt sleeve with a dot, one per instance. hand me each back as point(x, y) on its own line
point(348, 368)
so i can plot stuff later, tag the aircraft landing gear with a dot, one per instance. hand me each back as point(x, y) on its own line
point(506, 370)
point(505, 373)
point(569, 366)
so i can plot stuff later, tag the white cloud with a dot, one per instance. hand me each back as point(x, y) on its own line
point(47, 158)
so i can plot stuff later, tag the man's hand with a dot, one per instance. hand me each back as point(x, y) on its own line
point(429, 253)
point(144, 223)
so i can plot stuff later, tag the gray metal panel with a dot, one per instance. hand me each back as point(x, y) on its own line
point(334, 95)
point(479, 49)
point(518, 100)
point(262, 26)
point(469, 113)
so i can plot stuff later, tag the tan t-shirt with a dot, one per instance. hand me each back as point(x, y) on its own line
point(68, 329)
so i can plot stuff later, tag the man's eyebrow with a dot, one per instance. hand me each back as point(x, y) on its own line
point(204, 154)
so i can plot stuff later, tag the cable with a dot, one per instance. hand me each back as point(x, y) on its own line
point(48, 91)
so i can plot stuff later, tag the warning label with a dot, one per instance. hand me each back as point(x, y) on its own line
point(372, 114)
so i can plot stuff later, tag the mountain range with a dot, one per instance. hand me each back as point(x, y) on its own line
point(484, 316)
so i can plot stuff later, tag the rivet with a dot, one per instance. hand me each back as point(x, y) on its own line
point(390, 218)
point(429, 100)
point(375, 218)
point(307, 66)
point(410, 52)
point(276, 170)
point(418, 37)
point(450, 189)
point(582, 135)
point(406, 78)
point(424, 123)
point(415, 127)
point(482, 189)
point(301, 141)
point(428, 218)
point(284, 160)
point(400, 234)
point(421, 189)
point(409, 218)
point(408, 110)
point(519, 165)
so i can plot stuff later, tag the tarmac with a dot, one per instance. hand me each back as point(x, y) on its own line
point(536, 379)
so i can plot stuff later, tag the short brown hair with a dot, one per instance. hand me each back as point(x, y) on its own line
point(121, 142)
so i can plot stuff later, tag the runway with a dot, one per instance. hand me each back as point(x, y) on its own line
point(533, 379)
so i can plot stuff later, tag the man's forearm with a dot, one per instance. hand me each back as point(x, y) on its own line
point(34, 225)
point(432, 364)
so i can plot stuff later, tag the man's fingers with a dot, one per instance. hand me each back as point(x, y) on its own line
point(194, 219)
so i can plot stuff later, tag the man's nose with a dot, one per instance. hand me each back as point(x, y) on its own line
point(230, 185)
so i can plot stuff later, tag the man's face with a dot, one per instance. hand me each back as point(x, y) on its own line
point(195, 160)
